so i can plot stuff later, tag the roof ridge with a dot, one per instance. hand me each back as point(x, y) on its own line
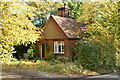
point(62, 17)
point(59, 25)
point(69, 26)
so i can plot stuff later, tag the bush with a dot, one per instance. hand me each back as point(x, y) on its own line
point(96, 55)
point(50, 56)
point(118, 60)
point(71, 68)
point(62, 59)
point(33, 53)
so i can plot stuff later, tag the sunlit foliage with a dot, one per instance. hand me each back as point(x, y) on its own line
point(16, 27)
point(98, 49)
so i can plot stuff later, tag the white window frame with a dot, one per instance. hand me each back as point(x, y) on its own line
point(56, 47)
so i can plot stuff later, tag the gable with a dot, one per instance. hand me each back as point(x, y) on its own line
point(68, 25)
point(53, 31)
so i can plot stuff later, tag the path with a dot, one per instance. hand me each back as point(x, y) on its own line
point(111, 76)
point(49, 76)
point(34, 74)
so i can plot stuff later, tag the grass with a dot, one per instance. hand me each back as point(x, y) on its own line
point(49, 66)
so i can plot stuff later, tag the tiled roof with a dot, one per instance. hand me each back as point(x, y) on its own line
point(69, 26)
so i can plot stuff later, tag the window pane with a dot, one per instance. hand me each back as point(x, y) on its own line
point(59, 48)
point(62, 43)
point(62, 48)
point(55, 47)
point(59, 43)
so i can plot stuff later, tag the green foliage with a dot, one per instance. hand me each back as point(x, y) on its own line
point(16, 28)
point(98, 51)
point(118, 60)
point(101, 15)
point(76, 9)
point(50, 56)
point(16, 24)
point(62, 59)
point(43, 11)
point(62, 68)
point(95, 55)
point(33, 53)
point(21, 50)
point(71, 68)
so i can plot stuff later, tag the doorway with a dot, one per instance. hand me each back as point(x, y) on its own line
point(42, 51)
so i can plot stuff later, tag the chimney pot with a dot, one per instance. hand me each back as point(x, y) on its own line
point(64, 12)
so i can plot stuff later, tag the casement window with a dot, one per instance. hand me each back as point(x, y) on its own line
point(59, 47)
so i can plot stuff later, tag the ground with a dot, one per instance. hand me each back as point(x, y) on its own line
point(37, 74)
point(10, 75)
point(51, 69)
point(111, 76)
point(67, 68)
point(30, 74)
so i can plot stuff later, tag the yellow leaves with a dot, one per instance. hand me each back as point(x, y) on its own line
point(90, 73)
point(17, 8)
point(16, 28)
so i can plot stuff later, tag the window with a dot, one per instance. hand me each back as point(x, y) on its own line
point(59, 47)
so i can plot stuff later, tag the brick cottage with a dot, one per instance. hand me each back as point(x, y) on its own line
point(59, 35)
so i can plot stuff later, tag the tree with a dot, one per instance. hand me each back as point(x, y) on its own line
point(103, 17)
point(43, 11)
point(76, 9)
point(99, 51)
point(16, 27)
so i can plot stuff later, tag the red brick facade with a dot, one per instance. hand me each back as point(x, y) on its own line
point(54, 30)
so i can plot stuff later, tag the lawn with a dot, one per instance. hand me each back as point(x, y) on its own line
point(68, 68)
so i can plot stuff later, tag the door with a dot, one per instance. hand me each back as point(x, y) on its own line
point(43, 50)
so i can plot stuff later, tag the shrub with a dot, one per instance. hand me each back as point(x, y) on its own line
point(62, 59)
point(118, 60)
point(33, 53)
point(71, 68)
point(96, 55)
point(50, 56)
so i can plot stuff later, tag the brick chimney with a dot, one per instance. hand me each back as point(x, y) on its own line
point(64, 12)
